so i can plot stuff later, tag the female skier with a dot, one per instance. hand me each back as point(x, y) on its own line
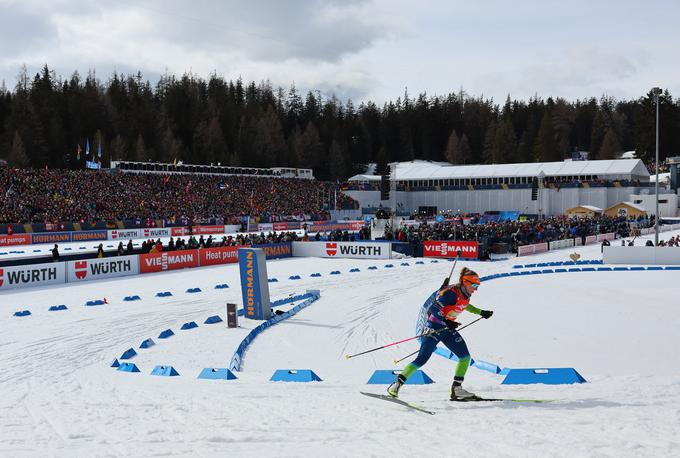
point(444, 308)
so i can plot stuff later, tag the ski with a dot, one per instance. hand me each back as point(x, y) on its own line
point(397, 401)
point(482, 399)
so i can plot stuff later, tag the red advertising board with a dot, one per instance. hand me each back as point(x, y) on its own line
point(159, 262)
point(221, 255)
point(197, 230)
point(15, 239)
point(447, 249)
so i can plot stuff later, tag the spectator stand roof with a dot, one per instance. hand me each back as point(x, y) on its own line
point(426, 170)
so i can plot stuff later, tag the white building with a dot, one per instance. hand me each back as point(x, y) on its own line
point(505, 187)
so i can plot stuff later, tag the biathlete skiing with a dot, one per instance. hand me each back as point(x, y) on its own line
point(443, 310)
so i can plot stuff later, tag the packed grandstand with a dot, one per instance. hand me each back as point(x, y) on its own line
point(133, 196)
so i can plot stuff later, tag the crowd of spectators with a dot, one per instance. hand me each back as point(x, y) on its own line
point(516, 233)
point(52, 196)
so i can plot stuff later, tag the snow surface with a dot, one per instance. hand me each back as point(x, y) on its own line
point(618, 329)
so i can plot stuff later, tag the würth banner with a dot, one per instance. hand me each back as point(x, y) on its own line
point(94, 269)
point(32, 275)
point(447, 249)
point(356, 250)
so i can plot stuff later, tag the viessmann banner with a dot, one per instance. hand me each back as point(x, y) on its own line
point(448, 249)
point(160, 262)
point(95, 269)
point(355, 250)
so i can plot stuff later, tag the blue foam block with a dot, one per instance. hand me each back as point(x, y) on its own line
point(434, 261)
point(335, 272)
point(194, 290)
point(355, 269)
point(386, 377)
point(147, 343)
point(420, 262)
point(272, 280)
point(654, 268)
point(372, 268)
point(222, 286)
point(217, 373)
point(389, 266)
point(22, 313)
point(405, 264)
point(115, 363)
point(604, 269)
point(128, 367)
point(165, 334)
point(95, 302)
point(294, 375)
point(131, 298)
point(212, 319)
point(164, 371)
point(548, 376)
point(294, 277)
point(129, 353)
point(620, 268)
point(164, 294)
point(189, 325)
point(56, 308)
point(315, 274)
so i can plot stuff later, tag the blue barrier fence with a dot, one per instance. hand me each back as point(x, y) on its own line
point(235, 364)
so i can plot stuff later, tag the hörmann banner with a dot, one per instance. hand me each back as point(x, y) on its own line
point(254, 284)
point(160, 262)
point(448, 249)
point(355, 250)
point(32, 275)
point(89, 236)
point(95, 269)
point(125, 234)
point(51, 237)
point(277, 250)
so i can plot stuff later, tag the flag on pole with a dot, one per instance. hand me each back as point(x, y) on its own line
point(87, 148)
point(78, 152)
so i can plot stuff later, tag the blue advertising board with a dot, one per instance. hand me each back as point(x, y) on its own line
point(51, 237)
point(277, 250)
point(254, 285)
point(88, 236)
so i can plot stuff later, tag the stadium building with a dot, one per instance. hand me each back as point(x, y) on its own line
point(539, 188)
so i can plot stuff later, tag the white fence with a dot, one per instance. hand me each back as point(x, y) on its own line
point(644, 255)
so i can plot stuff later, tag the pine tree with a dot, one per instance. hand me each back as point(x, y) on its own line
point(489, 137)
point(140, 153)
point(465, 150)
point(336, 161)
point(611, 147)
point(504, 147)
point(17, 154)
point(452, 153)
point(545, 149)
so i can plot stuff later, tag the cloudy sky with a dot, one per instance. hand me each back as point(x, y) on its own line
point(362, 49)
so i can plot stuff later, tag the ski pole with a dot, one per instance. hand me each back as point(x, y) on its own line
point(455, 261)
point(384, 346)
point(459, 329)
